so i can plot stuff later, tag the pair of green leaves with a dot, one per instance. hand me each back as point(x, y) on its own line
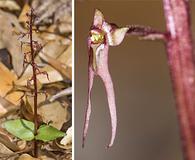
point(24, 129)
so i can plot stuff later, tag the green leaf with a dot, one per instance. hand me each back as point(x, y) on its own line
point(48, 133)
point(20, 128)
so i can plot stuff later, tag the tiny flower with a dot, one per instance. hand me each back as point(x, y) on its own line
point(101, 36)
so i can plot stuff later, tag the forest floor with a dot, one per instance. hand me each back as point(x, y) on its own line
point(54, 25)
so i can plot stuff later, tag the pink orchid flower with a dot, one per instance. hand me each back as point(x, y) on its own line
point(101, 36)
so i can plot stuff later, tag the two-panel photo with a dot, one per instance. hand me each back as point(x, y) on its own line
point(97, 79)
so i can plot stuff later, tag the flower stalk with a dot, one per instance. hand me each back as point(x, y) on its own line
point(34, 81)
point(181, 64)
point(29, 59)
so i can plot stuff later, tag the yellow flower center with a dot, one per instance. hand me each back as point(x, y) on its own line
point(97, 36)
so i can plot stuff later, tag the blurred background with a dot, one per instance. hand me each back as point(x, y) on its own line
point(147, 120)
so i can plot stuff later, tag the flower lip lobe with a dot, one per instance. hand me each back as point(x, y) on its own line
point(97, 36)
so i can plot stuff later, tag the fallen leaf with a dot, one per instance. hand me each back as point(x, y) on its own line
point(54, 76)
point(21, 144)
point(54, 47)
point(6, 140)
point(5, 150)
point(44, 157)
point(58, 118)
point(9, 24)
point(14, 97)
point(26, 110)
point(9, 4)
point(27, 107)
point(6, 84)
point(2, 110)
point(23, 18)
point(6, 80)
point(27, 157)
point(2, 46)
point(64, 69)
point(48, 10)
point(66, 57)
point(6, 107)
point(65, 27)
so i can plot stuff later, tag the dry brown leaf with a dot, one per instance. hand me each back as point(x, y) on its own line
point(52, 11)
point(4, 150)
point(26, 110)
point(3, 111)
point(2, 46)
point(63, 64)
point(65, 70)
point(54, 47)
point(27, 157)
point(64, 28)
point(58, 31)
point(10, 29)
point(27, 107)
point(54, 76)
point(14, 97)
point(7, 141)
point(23, 18)
point(55, 113)
point(6, 80)
point(30, 100)
point(9, 24)
point(66, 57)
point(6, 107)
point(21, 144)
point(45, 158)
point(6, 85)
point(9, 4)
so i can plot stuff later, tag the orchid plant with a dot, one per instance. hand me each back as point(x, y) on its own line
point(21, 128)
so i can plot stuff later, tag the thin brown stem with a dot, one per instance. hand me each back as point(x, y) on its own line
point(182, 70)
point(35, 83)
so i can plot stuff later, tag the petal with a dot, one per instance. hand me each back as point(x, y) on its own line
point(88, 107)
point(116, 36)
point(98, 19)
point(107, 80)
point(107, 28)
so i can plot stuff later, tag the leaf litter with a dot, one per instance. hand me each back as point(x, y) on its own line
point(54, 108)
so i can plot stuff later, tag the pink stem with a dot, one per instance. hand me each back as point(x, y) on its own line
point(181, 63)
